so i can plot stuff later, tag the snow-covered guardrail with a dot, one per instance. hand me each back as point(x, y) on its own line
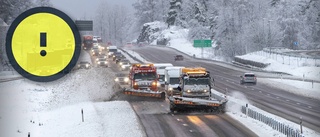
point(136, 59)
point(285, 129)
point(250, 62)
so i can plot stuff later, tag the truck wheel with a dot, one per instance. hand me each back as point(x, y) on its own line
point(163, 95)
point(172, 108)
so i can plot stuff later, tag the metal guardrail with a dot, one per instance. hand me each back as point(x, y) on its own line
point(268, 50)
point(283, 128)
point(136, 59)
point(233, 64)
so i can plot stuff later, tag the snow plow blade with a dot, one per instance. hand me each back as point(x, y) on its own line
point(192, 104)
point(145, 93)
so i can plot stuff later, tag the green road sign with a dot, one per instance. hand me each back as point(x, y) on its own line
point(202, 43)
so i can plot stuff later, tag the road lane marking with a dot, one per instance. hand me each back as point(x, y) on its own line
point(185, 125)
point(309, 107)
point(288, 100)
point(298, 103)
point(277, 97)
point(201, 126)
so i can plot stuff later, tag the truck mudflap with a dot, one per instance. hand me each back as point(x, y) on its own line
point(145, 93)
point(195, 104)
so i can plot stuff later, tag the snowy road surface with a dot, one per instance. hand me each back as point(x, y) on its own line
point(272, 99)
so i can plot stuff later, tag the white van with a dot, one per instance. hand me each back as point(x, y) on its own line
point(111, 50)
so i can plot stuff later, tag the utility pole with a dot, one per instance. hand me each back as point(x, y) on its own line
point(269, 37)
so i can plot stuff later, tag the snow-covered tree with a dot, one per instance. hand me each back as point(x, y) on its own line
point(10, 9)
point(45, 3)
point(174, 13)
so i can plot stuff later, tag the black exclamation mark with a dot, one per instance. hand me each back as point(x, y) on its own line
point(43, 43)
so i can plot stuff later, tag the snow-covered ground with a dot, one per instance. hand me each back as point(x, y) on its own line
point(297, 87)
point(300, 67)
point(54, 108)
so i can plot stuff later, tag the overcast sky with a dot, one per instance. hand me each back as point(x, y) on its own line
point(80, 9)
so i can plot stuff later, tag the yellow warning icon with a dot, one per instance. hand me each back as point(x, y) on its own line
point(43, 44)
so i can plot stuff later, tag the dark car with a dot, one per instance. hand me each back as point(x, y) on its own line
point(115, 55)
point(103, 55)
point(83, 64)
point(178, 57)
point(118, 59)
point(95, 51)
point(248, 78)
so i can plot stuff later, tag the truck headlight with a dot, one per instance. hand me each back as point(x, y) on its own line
point(87, 65)
point(120, 63)
point(116, 79)
point(98, 62)
point(170, 88)
point(126, 79)
point(154, 83)
point(97, 59)
point(123, 67)
point(188, 90)
point(205, 90)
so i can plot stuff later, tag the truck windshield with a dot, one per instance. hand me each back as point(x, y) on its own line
point(161, 77)
point(87, 42)
point(145, 76)
point(174, 80)
point(197, 81)
point(112, 50)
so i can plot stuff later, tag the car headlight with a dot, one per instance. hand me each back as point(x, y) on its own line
point(109, 53)
point(205, 90)
point(123, 67)
point(98, 62)
point(97, 59)
point(78, 65)
point(120, 63)
point(188, 90)
point(116, 79)
point(87, 65)
point(170, 88)
point(126, 79)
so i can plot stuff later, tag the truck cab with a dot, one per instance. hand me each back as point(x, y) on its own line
point(87, 42)
point(161, 72)
point(195, 83)
point(143, 77)
point(172, 75)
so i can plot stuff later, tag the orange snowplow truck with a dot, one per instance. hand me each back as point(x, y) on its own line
point(144, 81)
point(87, 42)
